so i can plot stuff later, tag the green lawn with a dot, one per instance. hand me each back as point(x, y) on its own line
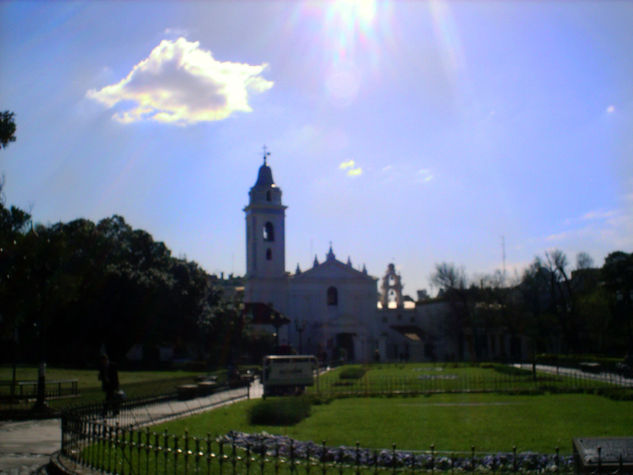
point(453, 422)
point(134, 383)
point(441, 377)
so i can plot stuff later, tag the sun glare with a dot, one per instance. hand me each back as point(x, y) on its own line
point(354, 13)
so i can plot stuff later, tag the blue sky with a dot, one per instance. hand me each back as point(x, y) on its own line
point(408, 131)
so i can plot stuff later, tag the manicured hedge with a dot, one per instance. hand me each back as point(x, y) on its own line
point(352, 373)
point(283, 411)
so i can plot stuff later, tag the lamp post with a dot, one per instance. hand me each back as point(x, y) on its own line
point(40, 274)
point(300, 326)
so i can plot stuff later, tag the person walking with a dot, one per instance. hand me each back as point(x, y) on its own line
point(109, 377)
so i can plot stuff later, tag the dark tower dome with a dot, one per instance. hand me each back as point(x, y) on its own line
point(264, 177)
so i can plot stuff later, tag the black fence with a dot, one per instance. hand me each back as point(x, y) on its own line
point(118, 439)
point(21, 390)
point(114, 449)
point(520, 381)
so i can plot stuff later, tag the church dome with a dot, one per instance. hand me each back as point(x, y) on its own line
point(265, 177)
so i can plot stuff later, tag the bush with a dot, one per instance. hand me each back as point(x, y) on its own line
point(352, 373)
point(282, 411)
point(511, 370)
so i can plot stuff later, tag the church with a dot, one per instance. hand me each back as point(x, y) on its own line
point(332, 309)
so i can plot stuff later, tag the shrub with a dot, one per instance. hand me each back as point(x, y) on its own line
point(352, 373)
point(511, 370)
point(282, 411)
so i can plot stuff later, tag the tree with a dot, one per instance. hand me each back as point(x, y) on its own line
point(617, 274)
point(583, 261)
point(451, 282)
point(7, 128)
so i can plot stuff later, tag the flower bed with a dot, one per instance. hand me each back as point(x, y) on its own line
point(272, 445)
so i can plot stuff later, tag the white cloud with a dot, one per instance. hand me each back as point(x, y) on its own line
point(346, 164)
point(350, 166)
point(180, 83)
point(424, 175)
point(611, 109)
point(611, 229)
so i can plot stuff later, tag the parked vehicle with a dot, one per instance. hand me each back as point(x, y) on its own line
point(288, 374)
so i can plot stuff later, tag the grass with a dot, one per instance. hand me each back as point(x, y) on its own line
point(134, 383)
point(453, 422)
point(445, 377)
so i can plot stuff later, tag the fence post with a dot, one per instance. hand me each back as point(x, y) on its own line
point(156, 450)
point(248, 457)
point(186, 452)
point(166, 448)
point(472, 459)
point(340, 461)
point(176, 452)
point(117, 450)
point(292, 456)
point(393, 458)
point(323, 457)
point(357, 458)
point(514, 458)
point(233, 454)
point(139, 449)
point(557, 459)
point(148, 448)
point(221, 454)
point(209, 454)
point(432, 458)
point(198, 454)
point(276, 456)
point(599, 459)
point(308, 462)
point(262, 455)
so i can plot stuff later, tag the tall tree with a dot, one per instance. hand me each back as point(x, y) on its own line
point(452, 284)
point(7, 128)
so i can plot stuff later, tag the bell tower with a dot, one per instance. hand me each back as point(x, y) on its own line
point(265, 238)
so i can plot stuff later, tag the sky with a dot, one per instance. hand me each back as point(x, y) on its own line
point(413, 132)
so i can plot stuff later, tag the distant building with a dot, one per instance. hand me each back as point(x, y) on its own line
point(333, 309)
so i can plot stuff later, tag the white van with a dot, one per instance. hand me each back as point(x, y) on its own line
point(288, 374)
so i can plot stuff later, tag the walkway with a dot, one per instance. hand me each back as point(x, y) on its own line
point(25, 447)
point(610, 378)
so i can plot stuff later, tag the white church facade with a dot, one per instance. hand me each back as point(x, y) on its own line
point(333, 309)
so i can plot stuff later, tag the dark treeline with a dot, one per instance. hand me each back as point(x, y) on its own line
point(74, 289)
point(558, 307)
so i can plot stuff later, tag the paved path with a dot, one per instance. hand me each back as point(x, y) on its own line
point(610, 378)
point(26, 446)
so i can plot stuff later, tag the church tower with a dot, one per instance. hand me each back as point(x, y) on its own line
point(265, 239)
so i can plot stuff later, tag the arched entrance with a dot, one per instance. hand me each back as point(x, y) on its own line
point(345, 345)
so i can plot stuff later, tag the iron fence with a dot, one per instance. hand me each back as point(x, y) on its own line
point(372, 385)
point(115, 449)
point(118, 440)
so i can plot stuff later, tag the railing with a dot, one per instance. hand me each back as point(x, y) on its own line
point(28, 389)
point(565, 381)
point(115, 449)
point(87, 429)
point(117, 439)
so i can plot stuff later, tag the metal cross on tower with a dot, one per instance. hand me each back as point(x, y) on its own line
point(266, 153)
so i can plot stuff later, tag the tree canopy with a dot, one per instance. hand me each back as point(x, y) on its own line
point(7, 128)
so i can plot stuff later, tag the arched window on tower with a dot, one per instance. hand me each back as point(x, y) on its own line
point(269, 254)
point(268, 195)
point(269, 232)
point(332, 296)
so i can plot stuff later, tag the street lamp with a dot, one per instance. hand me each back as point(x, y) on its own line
point(300, 326)
point(40, 275)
